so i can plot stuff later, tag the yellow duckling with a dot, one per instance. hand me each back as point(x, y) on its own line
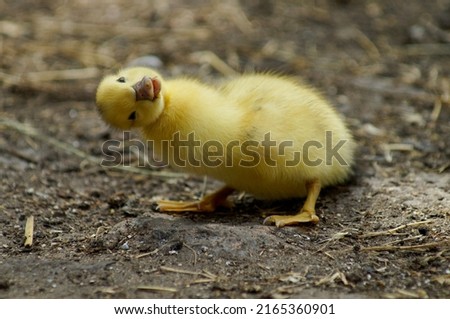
point(264, 134)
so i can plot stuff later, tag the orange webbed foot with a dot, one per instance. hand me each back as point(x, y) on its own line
point(306, 215)
point(195, 206)
point(289, 220)
point(207, 204)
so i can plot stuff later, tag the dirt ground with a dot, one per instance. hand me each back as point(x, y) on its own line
point(97, 233)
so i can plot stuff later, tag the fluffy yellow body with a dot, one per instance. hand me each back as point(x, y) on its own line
point(264, 134)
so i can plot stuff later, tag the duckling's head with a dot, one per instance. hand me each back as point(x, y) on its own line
point(130, 99)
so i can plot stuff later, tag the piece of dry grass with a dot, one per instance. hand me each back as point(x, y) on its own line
point(30, 131)
point(402, 147)
point(391, 247)
point(204, 273)
point(338, 275)
point(156, 288)
point(210, 58)
point(394, 231)
point(336, 237)
point(19, 155)
point(402, 293)
point(29, 229)
point(193, 252)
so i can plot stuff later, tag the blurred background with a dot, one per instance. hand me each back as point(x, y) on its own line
point(378, 61)
point(320, 40)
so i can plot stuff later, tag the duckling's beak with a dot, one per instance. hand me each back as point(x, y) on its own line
point(147, 89)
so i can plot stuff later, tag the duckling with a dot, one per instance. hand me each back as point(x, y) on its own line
point(268, 135)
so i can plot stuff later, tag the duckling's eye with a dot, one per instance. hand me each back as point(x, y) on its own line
point(132, 116)
point(121, 79)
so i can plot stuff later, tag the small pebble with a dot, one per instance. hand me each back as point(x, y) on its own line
point(149, 61)
point(417, 33)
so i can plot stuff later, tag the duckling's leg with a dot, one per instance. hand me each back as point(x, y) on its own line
point(306, 214)
point(209, 203)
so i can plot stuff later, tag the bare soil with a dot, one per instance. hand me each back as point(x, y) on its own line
point(97, 232)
